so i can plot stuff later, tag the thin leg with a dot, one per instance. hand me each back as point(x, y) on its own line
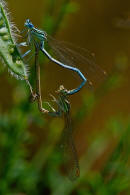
point(23, 44)
point(55, 113)
point(70, 92)
point(26, 53)
point(33, 95)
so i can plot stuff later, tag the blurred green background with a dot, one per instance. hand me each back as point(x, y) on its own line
point(29, 162)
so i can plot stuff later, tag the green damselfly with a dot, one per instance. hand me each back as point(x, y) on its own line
point(67, 146)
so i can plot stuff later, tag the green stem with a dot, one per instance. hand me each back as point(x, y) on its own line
point(9, 52)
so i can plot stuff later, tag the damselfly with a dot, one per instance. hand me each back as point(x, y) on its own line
point(65, 57)
point(67, 145)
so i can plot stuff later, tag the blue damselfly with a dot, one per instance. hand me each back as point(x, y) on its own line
point(65, 56)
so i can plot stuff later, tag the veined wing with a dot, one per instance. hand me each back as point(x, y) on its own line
point(77, 57)
point(70, 158)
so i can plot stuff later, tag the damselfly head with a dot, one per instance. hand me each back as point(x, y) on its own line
point(62, 91)
point(28, 24)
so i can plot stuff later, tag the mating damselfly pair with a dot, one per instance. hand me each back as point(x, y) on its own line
point(67, 59)
point(65, 56)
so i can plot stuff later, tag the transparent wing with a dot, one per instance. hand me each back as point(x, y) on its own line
point(77, 57)
point(70, 159)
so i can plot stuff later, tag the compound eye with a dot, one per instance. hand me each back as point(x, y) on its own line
point(30, 25)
